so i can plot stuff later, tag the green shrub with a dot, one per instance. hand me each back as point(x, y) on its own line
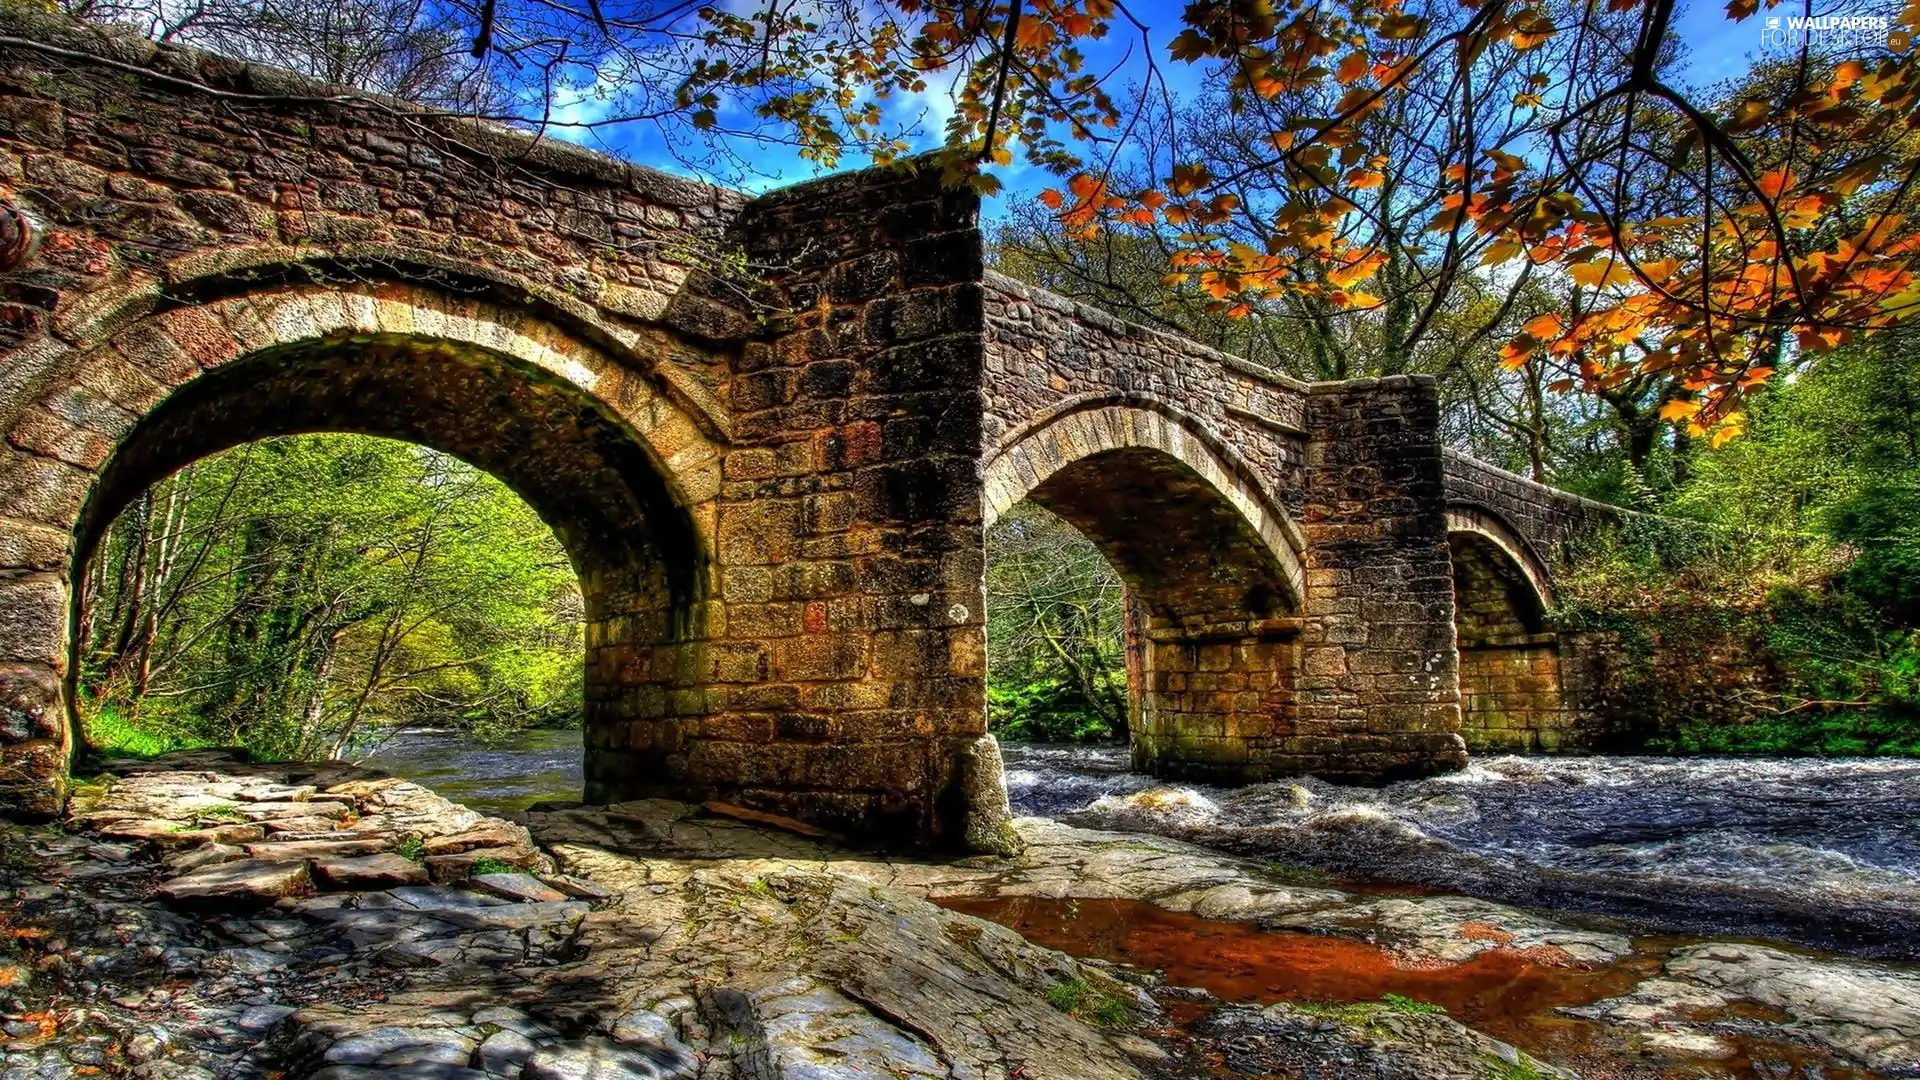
point(1046, 710)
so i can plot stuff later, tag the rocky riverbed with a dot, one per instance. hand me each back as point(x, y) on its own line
point(201, 917)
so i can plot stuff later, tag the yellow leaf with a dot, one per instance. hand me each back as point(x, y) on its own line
point(1679, 410)
point(1601, 273)
point(1500, 251)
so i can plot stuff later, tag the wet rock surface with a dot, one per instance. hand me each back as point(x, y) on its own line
point(652, 939)
point(1818, 852)
point(1869, 1011)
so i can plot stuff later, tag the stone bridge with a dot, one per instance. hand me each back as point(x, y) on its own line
point(769, 431)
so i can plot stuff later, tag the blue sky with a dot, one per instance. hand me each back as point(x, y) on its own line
point(1716, 49)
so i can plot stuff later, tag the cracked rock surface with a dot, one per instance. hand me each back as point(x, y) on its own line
point(200, 917)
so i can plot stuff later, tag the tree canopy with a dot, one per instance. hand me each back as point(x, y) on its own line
point(1365, 158)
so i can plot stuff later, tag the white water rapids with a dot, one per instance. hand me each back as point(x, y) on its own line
point(1820, 851)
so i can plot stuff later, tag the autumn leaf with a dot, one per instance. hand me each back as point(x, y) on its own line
point(1544, 327)
point(1188, 179)
point(1500, 251)
point(1679, 409)
point(1352, 69)
point(1052, 198)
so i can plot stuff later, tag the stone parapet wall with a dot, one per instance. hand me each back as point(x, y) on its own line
point(1545, 517)
point(1047, 355)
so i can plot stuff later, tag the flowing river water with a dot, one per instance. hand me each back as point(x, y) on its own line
point(1816, 854)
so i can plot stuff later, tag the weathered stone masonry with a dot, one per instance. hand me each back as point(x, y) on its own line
point(774, 483)
point(1525, 685)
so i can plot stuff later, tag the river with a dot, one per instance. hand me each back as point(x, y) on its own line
point(1820, 852)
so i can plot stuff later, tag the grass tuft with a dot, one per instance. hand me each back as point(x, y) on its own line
point(1082, 1000)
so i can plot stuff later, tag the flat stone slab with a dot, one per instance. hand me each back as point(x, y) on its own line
point(276, 793)
point(303, 826)
point(141, 828)
point(604, 1059)
point(368, 872)
point(456, 868)
point(441, 898)
point(347, 848)
point(213, 834)
point(523, 887)
point(246, 883)
point(500, 836)
point(262, 810)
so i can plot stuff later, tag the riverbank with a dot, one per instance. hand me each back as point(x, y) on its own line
point(662, 940)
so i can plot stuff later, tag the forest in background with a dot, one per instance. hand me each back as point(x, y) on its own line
point(299, 596)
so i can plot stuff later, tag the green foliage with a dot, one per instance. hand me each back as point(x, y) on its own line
point(1524, 1069)
point(1363, 1013)
point(490, 865)
point(412, 848)
point(1055, 671)
point(1803, 552)
point(221, 814)
point(292, 595)
point(111, 734)
point(1084, 1001)
point(1048, 710)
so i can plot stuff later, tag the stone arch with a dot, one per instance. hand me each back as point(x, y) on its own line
point(1511, 694)
point(1031, 456)
point(1211, 564)
point(627, 479)
point(1491, 529)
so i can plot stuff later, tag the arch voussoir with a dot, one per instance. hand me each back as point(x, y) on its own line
point(1033, 456)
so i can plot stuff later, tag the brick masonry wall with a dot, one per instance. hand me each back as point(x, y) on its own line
point(1046, 354)
point(1380, 684)
point(1545, 517)
point(850, 675)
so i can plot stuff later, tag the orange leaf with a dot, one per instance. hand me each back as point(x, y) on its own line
point(1679, 410)
point(1544, 326)
point(1772, 183)
point(1353, 68)
point(1052, 198)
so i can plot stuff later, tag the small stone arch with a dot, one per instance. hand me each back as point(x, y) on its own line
point(1031, 456)
point(1463, 519)
point(1512, 694)
point(1214, 580)
point(627, 478)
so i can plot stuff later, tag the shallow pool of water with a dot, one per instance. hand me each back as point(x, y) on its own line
point(1513, 995)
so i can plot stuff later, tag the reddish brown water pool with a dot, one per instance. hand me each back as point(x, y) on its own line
point(1511, 994)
